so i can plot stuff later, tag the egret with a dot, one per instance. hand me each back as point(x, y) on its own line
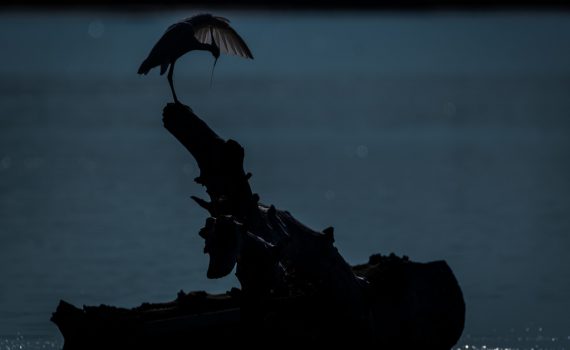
point(202, 32)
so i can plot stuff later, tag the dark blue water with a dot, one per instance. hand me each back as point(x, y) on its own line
point(435, 135)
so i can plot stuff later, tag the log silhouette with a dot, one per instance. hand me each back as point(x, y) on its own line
point(295, 285)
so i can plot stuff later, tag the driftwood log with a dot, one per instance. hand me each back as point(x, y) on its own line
point(295, 286)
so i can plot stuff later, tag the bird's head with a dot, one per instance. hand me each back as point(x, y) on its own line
point(216, 53)
point(215, 50)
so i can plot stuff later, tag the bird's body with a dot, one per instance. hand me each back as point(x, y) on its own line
point(202, 32)
point(170, 47)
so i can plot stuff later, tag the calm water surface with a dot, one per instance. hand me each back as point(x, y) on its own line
point(436, 135)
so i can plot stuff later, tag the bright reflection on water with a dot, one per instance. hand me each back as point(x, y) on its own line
point(434, 135)
point(514, 340)
point(21, 343)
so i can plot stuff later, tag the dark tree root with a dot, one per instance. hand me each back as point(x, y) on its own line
point(295, 285)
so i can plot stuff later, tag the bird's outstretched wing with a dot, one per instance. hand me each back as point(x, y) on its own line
point(227, 39)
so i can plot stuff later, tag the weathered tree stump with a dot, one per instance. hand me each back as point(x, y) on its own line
point(275, 251)
point(295, 286)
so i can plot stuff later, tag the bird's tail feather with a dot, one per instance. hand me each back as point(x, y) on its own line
point(144, 68)
point(163, 68)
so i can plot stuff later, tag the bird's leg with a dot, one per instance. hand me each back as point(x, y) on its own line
point(170, 74)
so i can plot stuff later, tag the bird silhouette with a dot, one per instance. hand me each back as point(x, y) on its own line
point(202, 32)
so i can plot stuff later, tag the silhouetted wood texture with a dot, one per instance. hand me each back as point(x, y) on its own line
point(278, 255)
point(412, 306)
point(220, 163)
point(276, 252)
point(295, 285)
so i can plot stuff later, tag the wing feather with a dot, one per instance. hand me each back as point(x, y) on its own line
point(227, 47)
point(232, 46)
point(219, 41)
point(227, 39)
point(235, 46)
